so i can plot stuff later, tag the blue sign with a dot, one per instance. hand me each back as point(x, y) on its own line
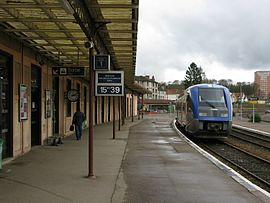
point(109, 77)
point(109, 83)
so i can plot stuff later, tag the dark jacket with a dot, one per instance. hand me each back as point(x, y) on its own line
point(78, 118)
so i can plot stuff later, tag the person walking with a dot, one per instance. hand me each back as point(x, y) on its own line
point(77, 120)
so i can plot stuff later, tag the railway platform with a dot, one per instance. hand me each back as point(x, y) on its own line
point(147, 162)
point(263, 126)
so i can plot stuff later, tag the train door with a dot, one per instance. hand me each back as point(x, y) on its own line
point(55, 105)
point(35, 105)
point(5, 104)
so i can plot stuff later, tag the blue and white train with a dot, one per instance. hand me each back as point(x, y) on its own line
point(206, 111)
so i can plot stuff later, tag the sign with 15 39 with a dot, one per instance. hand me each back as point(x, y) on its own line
point(109, 83)
point(104, 89)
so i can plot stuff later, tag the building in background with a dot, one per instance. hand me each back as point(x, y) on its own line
point(149, 84)
point(173, 91)
point(162, 91)
point(262, 80)
point(162, 97)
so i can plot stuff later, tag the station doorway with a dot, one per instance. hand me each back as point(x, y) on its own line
point(35, 105)
point(6, 64)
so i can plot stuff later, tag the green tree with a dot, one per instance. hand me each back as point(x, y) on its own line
point(194, 75)
point(210, 81)
point(223, 82)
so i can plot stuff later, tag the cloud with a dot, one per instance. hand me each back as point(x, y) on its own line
point(233, 34)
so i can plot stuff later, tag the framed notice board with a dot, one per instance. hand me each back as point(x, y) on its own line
point(48, 104)
point(23, 102)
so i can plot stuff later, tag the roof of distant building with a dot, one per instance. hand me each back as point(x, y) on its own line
point(139, 88)
point(173, 91)
point(145, 78)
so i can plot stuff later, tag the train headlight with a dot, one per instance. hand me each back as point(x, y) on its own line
point(202, 114)
point(224, 115)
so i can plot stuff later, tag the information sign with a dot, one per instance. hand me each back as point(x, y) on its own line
point(109, 77)
point(253, 100)
point(109, 83)
point(115, 90)
point(102, 62)
point(68, 71)
point(23, 107)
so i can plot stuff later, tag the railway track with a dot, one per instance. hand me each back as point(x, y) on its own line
point(254, 138)
point(252, 142)
point(251, 166)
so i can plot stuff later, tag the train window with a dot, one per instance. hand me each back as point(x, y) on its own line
point(212, 97)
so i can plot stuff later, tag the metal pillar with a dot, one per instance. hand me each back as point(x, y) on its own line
point(142, 105)
point(119, 113)
point(91, 113)
point(253, 112)
point(123, 108)
point(138, 107)
point(113, 117)
point(132, 106)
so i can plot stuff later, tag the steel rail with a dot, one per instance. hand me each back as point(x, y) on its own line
point(246, 152)
point(237, 165)
point(250, 137)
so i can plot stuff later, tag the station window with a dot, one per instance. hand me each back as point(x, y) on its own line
point(68, 87)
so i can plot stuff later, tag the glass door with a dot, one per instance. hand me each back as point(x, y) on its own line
point(35, 105)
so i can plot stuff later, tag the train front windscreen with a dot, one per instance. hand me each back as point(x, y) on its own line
point(212, 102)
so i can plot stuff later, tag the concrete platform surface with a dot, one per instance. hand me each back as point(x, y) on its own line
point(147, 162)
point(245, 122)
point(59, 174)
point(159, 166)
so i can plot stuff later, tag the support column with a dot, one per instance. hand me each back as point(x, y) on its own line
point(123, 109)
point(142, 105)
point(132, 107)
point(91, 111)
point(113, 117)
point(138, 106)
point(119, 113)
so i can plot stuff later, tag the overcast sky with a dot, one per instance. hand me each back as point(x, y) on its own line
point(229, 39)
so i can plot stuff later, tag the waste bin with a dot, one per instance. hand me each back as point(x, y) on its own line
point(1, 149)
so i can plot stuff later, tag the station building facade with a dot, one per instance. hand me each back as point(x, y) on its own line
point(33, 106)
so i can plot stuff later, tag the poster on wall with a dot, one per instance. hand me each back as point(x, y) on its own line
point(23, 111)
point(48, 104)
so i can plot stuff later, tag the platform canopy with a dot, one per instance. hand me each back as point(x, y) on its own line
point(59, 29)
